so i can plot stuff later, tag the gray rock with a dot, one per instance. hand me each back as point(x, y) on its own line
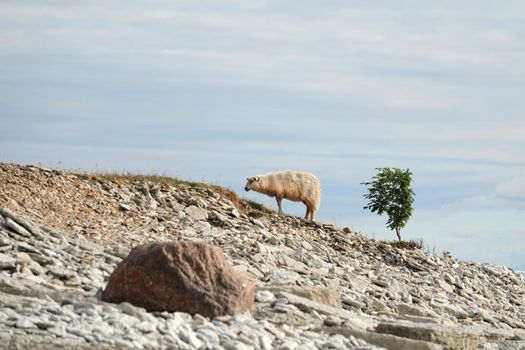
point(289, 345)
point(26, 224)
point(44, 324)
point(124, 207)
point(16, 228)
point(7, 262)
point(237, 345)
point(448, 337)
point(132, 310)
point(146, 327)
point(265, 342)
point(197, 213)
point(282, 276)
point(187, 335)
point(53, 278)
point(332, 321)
point(264, 296)
point(284, 308)
point(348, 300)
point(25, 323)
point(387, 341)
point(209, 334)
point(410, 309)
point(455, 311)
point(59, 329)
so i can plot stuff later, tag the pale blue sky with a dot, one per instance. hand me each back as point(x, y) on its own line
point(220, 90)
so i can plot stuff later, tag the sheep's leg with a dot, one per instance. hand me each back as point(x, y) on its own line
point(308, 211)
point(279, 200)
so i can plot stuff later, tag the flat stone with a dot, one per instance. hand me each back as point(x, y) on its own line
point(445, 286)
point(411, 309)
point(61, 273)
point(187, 335)
point(380, 282)
point(7, 262)
point(353, 320)
point(197, 213)
point(16, 228)
point(455, 311)
point(289, 345)
point(236, 345)
point(328, 296)
point(379, 306)
point(146, 327)
point(29, 227)
point(284, 308)
point(353, 302)
point(332, 321)
point(44, 324)
point(387, 341)
point(24, 323)
point(282, 276)
point(124, 207)
point(449, 337)
point(264, 296)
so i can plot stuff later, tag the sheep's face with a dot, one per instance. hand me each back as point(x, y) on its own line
point(252, 183)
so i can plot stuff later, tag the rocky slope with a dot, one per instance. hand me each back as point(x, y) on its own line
point(318, 286)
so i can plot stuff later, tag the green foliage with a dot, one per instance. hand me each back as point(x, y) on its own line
point(390, 192)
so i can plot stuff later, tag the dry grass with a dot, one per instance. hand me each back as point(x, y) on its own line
point(244, 206)
point(247, 207)
point(121, 178)
point(417, 244)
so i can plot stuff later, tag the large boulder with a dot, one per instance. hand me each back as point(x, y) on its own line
point(186, 276)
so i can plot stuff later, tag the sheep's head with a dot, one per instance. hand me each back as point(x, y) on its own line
point(252, 183)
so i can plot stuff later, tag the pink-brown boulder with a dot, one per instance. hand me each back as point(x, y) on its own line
point(186, 276)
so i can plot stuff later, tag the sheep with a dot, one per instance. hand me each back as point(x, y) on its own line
point(295, 186)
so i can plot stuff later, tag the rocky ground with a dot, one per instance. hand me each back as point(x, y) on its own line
point(318, 286)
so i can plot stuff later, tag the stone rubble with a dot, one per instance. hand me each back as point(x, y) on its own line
point(61, 236)
point(50, 288)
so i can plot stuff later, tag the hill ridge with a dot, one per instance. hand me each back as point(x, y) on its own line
point(383, 291)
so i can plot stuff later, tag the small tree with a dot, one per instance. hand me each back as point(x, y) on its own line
point(390, 193)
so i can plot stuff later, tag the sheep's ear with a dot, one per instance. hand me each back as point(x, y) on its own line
point(256, 178)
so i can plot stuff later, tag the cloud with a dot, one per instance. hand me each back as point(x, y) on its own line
point(277, 50)
point(513, 188)
point(478, 204)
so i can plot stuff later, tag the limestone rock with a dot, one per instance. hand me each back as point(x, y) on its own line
point(327, 296)
point(332, 321)
point(448, 337)
point(53, 279)
point(196, 212)
point(7, 262)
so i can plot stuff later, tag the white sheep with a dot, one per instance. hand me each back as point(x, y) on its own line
point(295, 186)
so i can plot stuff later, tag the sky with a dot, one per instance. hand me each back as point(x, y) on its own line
point(217, 91)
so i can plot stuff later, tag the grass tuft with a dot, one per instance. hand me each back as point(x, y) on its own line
point(408, 245)
point(120, 178)
point(244, 206)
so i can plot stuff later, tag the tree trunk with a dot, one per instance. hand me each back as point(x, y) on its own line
point(398, 233)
